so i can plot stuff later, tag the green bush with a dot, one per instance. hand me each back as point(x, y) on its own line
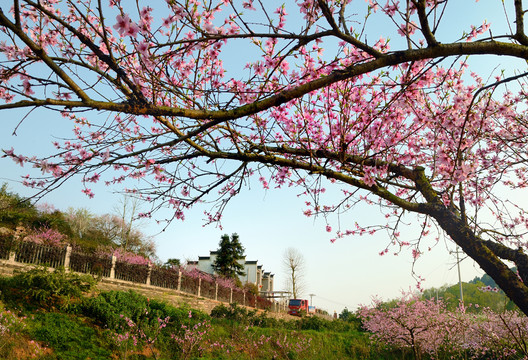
point(41, 288)
point(234, 313)
point(69, 337)
point(111, 307)
point(15, 211)
point(178, 315)
point(7, 243)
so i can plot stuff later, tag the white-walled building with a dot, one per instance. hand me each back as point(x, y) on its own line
point(254, 273)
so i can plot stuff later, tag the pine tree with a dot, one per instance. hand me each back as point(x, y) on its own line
point(229, 253)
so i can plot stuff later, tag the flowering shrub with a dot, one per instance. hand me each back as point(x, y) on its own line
point(426, 327)
point(191, 341)
point(9, 324)
point(135, 335)
point(497, 335)
point(41, 288)
point(255, 344)
point(129, 266)
point(225, 282)
point(47, 248)
point(10, 331)
point(44, 246)
point(130, 257)
point(47, 236)
point(224, 293)
point(189, 281)
point(208, 289)
point(197, 274)
point(412, 323)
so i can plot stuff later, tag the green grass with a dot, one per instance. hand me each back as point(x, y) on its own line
point(90, 329)
point(70, 337)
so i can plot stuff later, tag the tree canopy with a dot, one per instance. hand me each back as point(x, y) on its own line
point(230, 252)
point(319, 100)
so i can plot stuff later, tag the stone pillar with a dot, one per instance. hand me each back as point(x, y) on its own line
point(179, 280)
point(216, 291)
point(231, 296)
point(244, 301)
point(199, 286)
point(67, 258)
point(112, 271)
point(12, 256)
point(149, 272)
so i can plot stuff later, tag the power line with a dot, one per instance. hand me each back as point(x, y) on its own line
point(332, 301)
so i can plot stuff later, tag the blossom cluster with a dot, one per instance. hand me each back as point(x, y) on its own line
point(426, 327)
point(47, 236)
point(297, 110)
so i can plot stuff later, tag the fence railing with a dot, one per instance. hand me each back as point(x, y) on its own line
point(25, 252)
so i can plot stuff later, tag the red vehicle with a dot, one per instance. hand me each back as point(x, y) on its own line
point(300, 307)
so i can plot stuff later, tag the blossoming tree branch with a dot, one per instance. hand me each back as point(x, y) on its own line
point(193, 98)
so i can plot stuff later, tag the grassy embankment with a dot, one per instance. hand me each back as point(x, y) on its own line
point(60, 316)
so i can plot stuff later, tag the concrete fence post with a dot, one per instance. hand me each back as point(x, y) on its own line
point(231, 296)
point(216, 291)
point(179, 280)
point(67, 257)
point(112, 271)
point(12, 256)
point(149, 272)
point(199, 286)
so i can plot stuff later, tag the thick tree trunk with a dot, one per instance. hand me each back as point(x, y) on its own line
point(479, 250)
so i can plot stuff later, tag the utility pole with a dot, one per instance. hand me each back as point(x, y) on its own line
point(459, 276)
point(311, 298)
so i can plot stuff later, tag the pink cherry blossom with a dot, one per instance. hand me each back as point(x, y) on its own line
point(122, 24)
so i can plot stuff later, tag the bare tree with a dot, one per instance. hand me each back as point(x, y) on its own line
point(294, 267)
point(127, 211)
point(80, 220)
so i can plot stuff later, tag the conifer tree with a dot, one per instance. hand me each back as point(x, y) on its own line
point(229, 253)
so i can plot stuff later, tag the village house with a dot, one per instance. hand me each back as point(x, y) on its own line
point(254, 273)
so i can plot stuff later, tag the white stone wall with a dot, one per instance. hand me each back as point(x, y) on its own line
point(251, 273)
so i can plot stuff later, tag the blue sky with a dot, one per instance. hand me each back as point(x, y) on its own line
point(346, 273)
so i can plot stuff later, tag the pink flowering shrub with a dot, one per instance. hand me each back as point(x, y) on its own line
point(130, 257)
point(11, 327)
point(412, 323)
point(197, 274)
point(192, 340)
point(47, 236)
point(497, 335)
point(248, 340)
point(123, 256)
point(225, 282)
point(427, 328)
point(135, 335)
